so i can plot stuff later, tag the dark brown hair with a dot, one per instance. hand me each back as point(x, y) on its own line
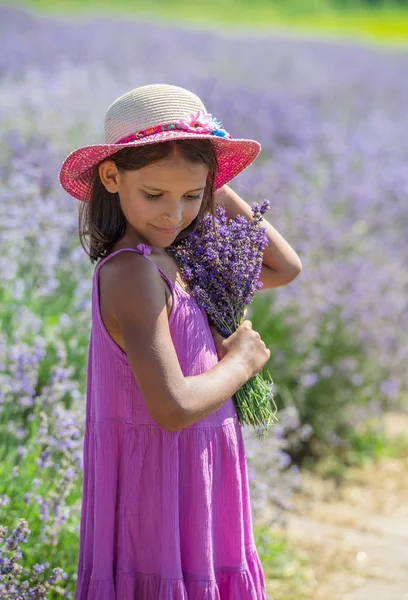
point(101, 219)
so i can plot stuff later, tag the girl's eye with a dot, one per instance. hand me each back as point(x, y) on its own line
point(151, 196)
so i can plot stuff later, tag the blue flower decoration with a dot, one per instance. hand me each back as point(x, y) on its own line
point(220, 132)
point(218, 124)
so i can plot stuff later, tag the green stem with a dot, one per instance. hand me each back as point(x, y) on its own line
point(255, 404)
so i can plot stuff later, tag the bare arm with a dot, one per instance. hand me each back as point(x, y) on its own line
point(281, 264)
point(137, 301)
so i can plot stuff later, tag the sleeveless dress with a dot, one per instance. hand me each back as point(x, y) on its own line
point(165, 515)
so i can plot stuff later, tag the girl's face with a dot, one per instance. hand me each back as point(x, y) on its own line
point(166, 194)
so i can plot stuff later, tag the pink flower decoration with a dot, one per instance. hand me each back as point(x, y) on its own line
point(145, 250)
point(201, 122)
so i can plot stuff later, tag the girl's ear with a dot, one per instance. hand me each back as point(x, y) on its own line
point(109, 175)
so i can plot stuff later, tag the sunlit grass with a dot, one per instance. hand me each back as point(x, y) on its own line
point(284, 566)
point(386, 25)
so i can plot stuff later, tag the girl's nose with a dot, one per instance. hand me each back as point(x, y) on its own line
point(174, 219)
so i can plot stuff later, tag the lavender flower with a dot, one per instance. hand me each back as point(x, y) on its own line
point(222, 269)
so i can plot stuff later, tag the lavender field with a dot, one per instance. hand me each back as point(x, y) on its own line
point(332, 120)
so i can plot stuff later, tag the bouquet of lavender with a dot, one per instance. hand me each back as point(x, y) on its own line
point(222, 270)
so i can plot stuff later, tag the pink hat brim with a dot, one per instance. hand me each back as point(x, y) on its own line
point(233, 157)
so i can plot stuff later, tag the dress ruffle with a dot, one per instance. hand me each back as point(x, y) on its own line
point(228, 585)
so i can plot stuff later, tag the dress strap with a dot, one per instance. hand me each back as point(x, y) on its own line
point(142, 249)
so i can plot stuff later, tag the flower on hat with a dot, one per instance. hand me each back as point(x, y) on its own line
point(202, 122)
point(198, 122)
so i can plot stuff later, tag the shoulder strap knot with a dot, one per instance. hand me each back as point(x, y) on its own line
point(144, 249)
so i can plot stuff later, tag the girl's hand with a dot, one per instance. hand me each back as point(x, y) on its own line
point(247, 347)
point(218, 339)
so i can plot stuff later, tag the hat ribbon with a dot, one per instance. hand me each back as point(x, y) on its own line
point(199, 122)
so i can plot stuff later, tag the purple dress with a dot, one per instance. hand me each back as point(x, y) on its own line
point(165, 515)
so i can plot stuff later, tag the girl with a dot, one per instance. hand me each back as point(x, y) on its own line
point(165, 507)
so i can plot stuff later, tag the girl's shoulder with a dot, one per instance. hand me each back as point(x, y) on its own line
point(117, 251)
point(114, 279)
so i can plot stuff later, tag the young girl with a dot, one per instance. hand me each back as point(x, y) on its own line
point(166, 506)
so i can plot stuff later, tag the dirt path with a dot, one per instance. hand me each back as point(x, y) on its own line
point(355, 535)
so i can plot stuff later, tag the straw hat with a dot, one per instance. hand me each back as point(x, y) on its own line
point(150, 114)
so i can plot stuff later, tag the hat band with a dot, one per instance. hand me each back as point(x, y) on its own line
point(200, 122)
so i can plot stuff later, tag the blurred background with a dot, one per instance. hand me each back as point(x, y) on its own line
point(375, 20)
point(324, 87)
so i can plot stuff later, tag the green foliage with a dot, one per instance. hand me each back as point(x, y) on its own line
point(22, 481)
point(362, 445)
point(281, 562)
point(323, 404)
point(372, 443)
